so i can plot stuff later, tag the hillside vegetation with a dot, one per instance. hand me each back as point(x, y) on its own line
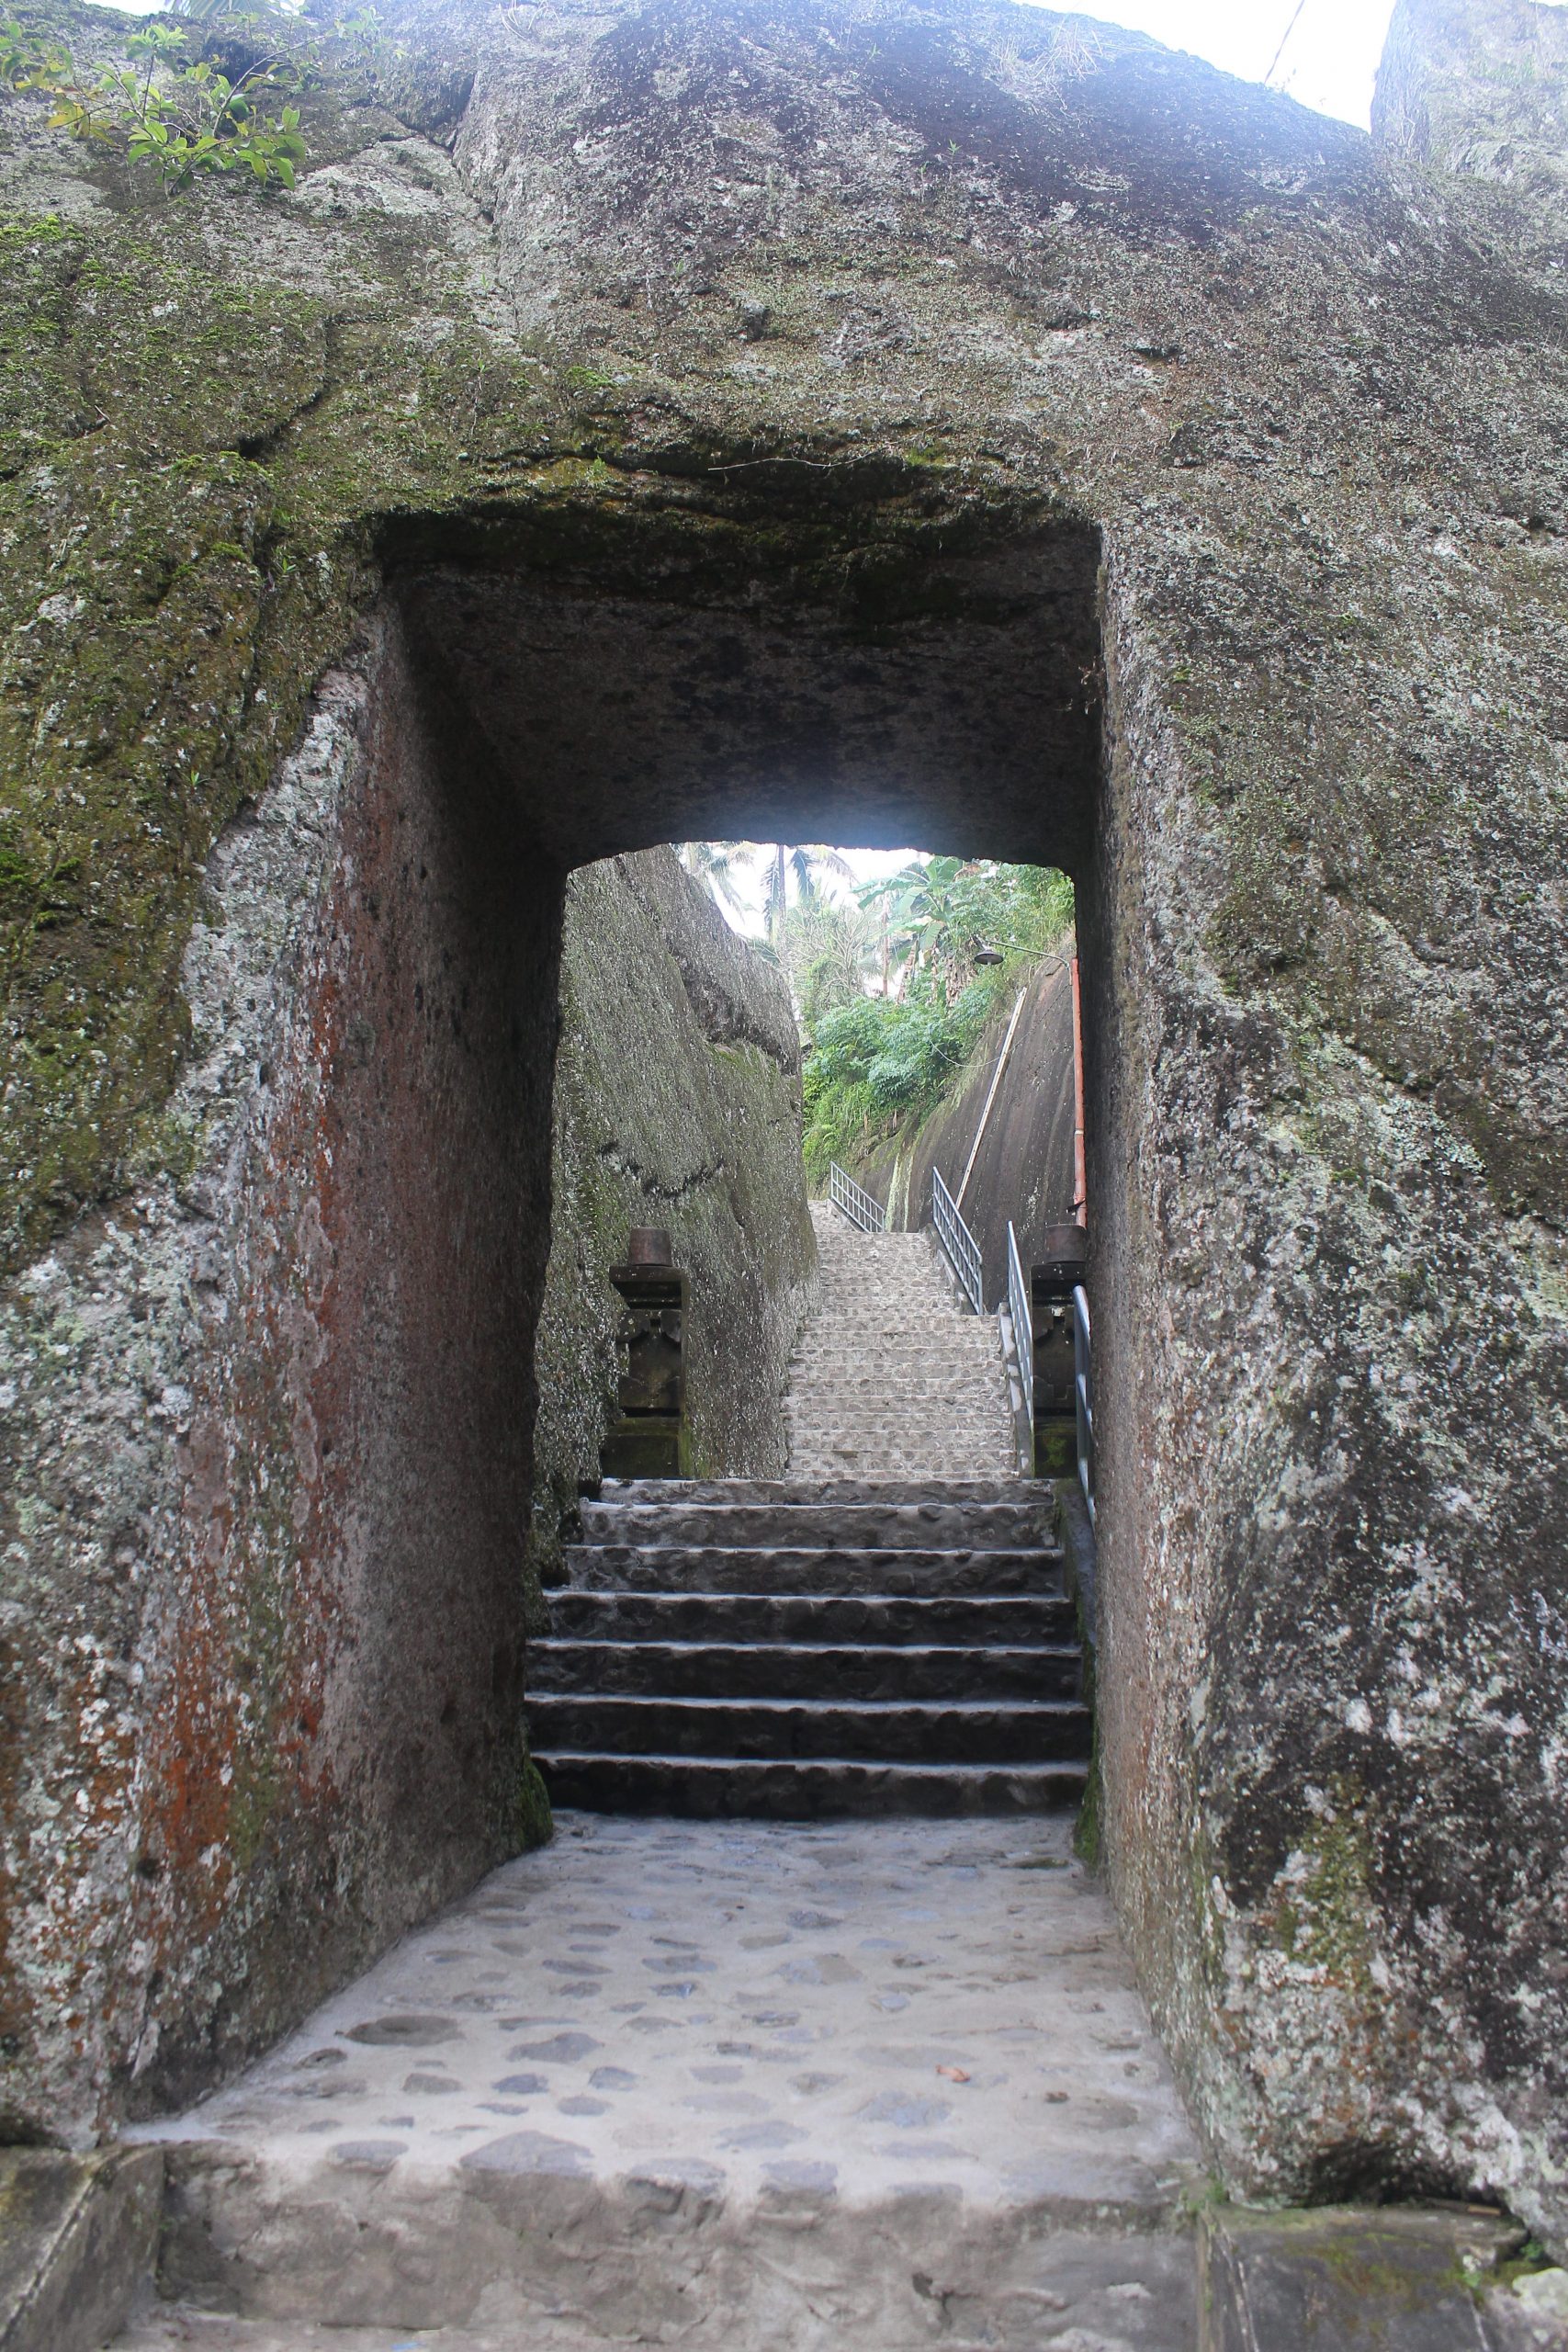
point(878, 1066)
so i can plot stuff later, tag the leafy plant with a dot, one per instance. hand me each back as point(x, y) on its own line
point(938, 914)
point(183, 116)
point(879, 1060)
point(882, 1062)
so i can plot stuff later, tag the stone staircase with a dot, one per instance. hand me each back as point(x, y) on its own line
point(827, 1644)
point(894, 1378)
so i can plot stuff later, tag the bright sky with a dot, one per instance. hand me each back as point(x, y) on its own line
point(1329, 57)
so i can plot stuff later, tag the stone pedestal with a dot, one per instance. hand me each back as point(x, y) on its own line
point(650, 1438)
point(1052, 1281)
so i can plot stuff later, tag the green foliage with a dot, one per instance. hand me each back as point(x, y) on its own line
point(883, 1059)
point(878, 1062)
point(937, 913)
point(176, 112)
point(26, 61)
point(535, 1823)
point(820, 947)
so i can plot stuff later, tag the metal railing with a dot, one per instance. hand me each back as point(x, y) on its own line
point(963, 1249)
point(1083, 1385)
point(855, 1201)
point(1022, 1324)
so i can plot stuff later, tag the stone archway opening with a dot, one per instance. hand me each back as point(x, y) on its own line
point(810, 666)
point(806, 669)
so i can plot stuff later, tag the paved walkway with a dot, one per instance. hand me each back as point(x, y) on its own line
point(868, 2084)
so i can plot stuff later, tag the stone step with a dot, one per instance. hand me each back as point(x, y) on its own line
point(859, 1373)
point(816, 1670)
point(886, 1493)
point(892, 1371)
point(903, 1325)
point(883, 1354)
point(962, 1731)
point(932, 1396)
point(918, 1323)
point(915, 1338)
point(940, 1425)
point(865, 1368)
point(986, 1621)
point(901, 1301)
point(713, 1787)
point(915, 1318)
point(759, 1699)
point(855, 1459)
point(860, 1454)
point(833, 1392)
point(909, 1372)
point(941, 1418)
point(941, 1430)
point(715, 2085)
point(960, 1437)
point(927, 1573)
point(844, 1527)
point(943, 1386)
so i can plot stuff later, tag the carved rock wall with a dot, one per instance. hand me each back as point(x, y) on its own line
point(677, 1103)
point(267, 1455)
point(1479, 90)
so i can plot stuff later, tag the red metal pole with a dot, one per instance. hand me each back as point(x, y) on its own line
point(1080, 1164)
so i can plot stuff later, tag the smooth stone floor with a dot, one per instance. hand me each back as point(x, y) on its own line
point(901, 2014)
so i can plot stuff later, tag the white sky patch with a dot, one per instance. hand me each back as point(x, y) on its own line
point(1331, 47)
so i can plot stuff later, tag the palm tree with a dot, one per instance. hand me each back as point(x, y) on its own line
point(821, 948)
point(716, 863)
point(806, 861)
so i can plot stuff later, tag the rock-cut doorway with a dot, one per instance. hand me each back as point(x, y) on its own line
point(870, 675)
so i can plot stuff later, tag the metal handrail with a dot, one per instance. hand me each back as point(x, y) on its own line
point(1085, 1393)
point(1022, 1324)
point(963, 1249)
point(855, 1201)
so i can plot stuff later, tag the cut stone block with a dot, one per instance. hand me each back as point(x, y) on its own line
point(1347, 2279)
point(78, 2238)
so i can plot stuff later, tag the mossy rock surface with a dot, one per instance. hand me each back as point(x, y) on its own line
point(892, 331)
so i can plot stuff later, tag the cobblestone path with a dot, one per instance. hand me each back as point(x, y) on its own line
point(872, 2085)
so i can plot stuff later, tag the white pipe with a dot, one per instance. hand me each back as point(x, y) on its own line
point(995, 1082)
